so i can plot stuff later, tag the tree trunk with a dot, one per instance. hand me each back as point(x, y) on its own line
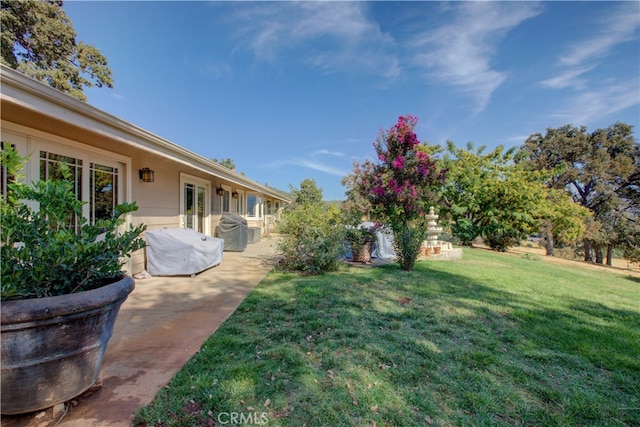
point(609, 254)
point(598, 251)
point(548, 237)
point(588, 257)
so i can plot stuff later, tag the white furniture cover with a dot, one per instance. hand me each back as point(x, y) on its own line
point(383, 248)
point(181, 251)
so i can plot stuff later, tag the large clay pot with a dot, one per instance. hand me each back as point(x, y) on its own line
point(53, 347)
point(361, 252)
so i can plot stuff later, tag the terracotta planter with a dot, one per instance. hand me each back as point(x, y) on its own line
point(361, 252)
point(52, 348)
point(427, 251)
point(436, 250)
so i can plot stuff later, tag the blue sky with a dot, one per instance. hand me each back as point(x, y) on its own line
point(296, 90)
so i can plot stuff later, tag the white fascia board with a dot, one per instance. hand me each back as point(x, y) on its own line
point(33, 95)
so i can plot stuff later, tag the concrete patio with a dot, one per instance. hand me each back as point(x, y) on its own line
point(160, 326)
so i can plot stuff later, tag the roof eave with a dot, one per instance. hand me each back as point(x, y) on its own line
point(14, 84)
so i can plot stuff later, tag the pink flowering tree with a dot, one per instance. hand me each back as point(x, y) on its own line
point(399, 187)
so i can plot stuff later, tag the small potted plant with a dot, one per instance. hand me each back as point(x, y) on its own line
point(62, 287)
point(361, 239)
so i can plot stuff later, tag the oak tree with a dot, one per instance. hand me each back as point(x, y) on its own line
point(38, 39)
point(601, 172)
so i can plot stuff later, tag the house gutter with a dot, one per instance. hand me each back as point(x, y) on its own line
point(33, 95)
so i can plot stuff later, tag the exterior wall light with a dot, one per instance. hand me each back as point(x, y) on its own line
point(220, 191)
point(146, 175)
point(235, 194)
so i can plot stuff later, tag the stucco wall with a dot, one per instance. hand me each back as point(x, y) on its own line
point(36, 117)
point(158, 202)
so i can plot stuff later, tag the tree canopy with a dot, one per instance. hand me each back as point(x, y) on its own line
point(38, 39)
point(311, 243)
point(308, 194)
point(228, 163)
point(601, 171)
point(485, 196)
point(400, 187)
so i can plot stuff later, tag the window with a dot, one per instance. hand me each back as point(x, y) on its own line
point(226, 196)
point(240, 204)
point(5, 177)
point(51, 169)
point(103, 184)
point(254, 205)
point(194, 205)
point(96, 175)
point(188, 212)
point(200, 197)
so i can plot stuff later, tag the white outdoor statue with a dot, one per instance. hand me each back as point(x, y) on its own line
point(432, 229)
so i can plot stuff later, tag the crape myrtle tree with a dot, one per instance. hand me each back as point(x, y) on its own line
point(400, 187)
point(600, 170)
point(39, 41)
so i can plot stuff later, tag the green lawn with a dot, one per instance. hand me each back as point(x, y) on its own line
point(492, 339)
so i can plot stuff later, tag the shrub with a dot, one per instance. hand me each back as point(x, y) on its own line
point(407, 239)
point(42, 255)
point(500, 239)
point(313, 239)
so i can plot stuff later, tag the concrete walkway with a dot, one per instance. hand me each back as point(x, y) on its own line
point(160, 326)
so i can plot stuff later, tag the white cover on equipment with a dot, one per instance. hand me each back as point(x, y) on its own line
point(181, 251)
point(383, 248)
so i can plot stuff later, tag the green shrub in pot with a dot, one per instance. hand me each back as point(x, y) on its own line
point(48, 248)
point(61, 289)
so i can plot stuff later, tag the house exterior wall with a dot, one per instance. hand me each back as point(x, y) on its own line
point(39, 119)
point(158, 202)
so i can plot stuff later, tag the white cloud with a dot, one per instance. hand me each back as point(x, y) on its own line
point(459, 53)
point(330, 35)
point(590, 106)
point(568, 78)
point(618, 27)
point(216, 70)
point(516, 140)
point(328, 153)
point(318, 166)
point(313, 161)
point(596, 98)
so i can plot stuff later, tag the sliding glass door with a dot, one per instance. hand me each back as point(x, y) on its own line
point(194, 206)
